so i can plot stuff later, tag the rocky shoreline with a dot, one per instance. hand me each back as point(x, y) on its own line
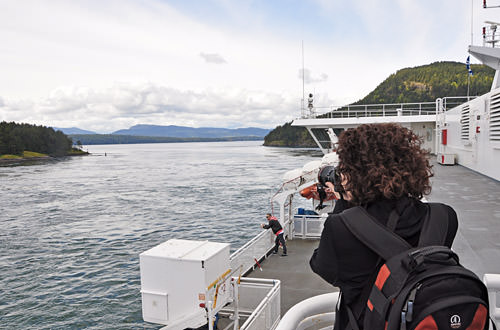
point(20, 160)
point(8, 161)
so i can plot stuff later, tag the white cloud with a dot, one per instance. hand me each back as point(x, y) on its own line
point(309, 78)
point(122, 106)
point(213, 58)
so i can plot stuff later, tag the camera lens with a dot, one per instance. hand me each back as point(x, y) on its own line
point(326, 174)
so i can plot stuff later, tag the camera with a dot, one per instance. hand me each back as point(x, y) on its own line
point(330, 174)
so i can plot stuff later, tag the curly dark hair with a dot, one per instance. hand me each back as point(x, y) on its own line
point(383, 161)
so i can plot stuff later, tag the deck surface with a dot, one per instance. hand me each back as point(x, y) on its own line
point(298, 282)
point(475, 198)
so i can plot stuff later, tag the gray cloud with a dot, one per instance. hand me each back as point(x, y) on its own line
point(213, 58)
point(309, 78)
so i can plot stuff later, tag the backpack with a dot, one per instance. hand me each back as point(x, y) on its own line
point(422, 287)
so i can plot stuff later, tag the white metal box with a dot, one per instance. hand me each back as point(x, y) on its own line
point(446, 159)
point(175, 276)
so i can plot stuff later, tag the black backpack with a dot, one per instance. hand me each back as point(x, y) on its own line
point(422, 287)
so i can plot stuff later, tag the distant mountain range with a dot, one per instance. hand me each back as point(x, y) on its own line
point(191, 132)
point(73, 130)
point(179, 131)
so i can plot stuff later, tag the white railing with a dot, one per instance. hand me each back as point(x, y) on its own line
point(318, 310)
point(308, 226)
point(490, 39)
point(377, 110)
point(388, 109)
point(253, 251)
point(492, 282)
point(266, 315)
point(256, 304)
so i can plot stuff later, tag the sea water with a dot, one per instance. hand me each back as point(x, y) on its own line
point(71, 230)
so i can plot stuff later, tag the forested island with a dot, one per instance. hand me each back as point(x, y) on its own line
point(25, 141)
point(423, 83)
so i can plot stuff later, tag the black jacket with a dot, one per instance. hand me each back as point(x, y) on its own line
point(274, 225)
point(344, 261)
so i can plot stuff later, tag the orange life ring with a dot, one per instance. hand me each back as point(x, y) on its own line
point(312, 192)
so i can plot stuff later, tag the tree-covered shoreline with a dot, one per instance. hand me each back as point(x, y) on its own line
point(26, 141)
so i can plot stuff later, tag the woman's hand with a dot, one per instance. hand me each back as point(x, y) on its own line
point(347, 194)
point(331, 188)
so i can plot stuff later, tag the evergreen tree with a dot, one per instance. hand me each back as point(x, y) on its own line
point(17, 138)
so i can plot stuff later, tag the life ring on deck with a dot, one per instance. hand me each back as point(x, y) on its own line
point(312, 192)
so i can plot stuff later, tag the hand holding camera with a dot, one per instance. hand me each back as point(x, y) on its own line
point(330, 177)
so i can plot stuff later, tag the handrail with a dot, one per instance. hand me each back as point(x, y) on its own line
point(323, 304)
point(242, 249)
point(492, 282)
point(264, 245)
point(385, 109)
point(268, 299)
point(264, 249)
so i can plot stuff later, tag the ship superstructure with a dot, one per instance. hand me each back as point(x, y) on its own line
point(463, 130)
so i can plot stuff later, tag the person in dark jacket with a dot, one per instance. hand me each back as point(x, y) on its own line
point(275, 226)
point(382, 168)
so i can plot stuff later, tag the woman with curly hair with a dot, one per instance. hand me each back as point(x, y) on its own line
point(383, 169)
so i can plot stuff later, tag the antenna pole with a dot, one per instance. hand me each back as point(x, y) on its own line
point(472, 23)
point(468, 84)
point(303, 88)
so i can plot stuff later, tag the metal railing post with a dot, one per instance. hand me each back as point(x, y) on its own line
point(303, 227)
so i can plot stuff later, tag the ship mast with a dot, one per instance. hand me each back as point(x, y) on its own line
point(489, 53)
point(302, 108)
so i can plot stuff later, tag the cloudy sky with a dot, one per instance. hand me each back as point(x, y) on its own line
point(107, 65)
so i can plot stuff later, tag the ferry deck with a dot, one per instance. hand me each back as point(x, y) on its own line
point(475, 198)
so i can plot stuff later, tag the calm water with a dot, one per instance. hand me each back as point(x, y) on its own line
point(71, 230)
